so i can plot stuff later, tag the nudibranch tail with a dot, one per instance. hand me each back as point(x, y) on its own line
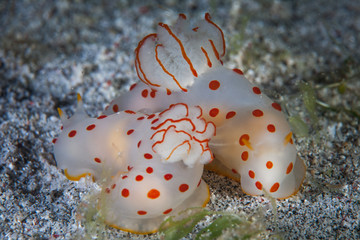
point(175, 56)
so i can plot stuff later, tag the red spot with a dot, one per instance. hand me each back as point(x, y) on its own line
point(149, 170)
point(251, 174)
point(142, 212)
point(113, 186)
point(276, 106)
point(125, 192)
point(271, 128)
point(107, 190)
point(72, 133)
point(275, 187)
point(168, 176)
point(183, 187)
point(90, 127)
point(230, 114)
point(144, 93)
point(101, 117)
point(98, 160)
point(257, 113)
point(139, 178)
point(183, 16)
point(214, 112)
point(148, 156)
point(151, 116)
point(234, 171)
point(256, 90)
point(62, 127)
point(243, 137)
point(139, 143)
point(123, 177)
point(269, 164)
point(141, 118)
point(130, 131)
point(167, 211)
point(258, 185)
point(238, 71)
point(168, 92)
point(129, 168)
point(54, 140)
point(153, 194)
point(130, 112)
point(153, 93)
point(133, 86)
point(199, 183)
point(214, 85)
point(154, 121)
point(115, 108)
point(289, 168)
point(245, 156)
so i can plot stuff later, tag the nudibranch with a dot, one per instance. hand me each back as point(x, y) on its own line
point(153, 162)
point(182, 64)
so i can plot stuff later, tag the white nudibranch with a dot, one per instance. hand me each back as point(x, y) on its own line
point(155, 153)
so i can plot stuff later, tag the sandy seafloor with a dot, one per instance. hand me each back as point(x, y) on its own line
point(51, 50)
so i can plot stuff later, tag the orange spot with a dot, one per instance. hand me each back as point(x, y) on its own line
point(133, 86)
point(98, 160)
point(142, 212)
point(72, 133)
point(149, 170)
point(130, 131)
point(251, 174)
point(183, 187)
point(144, 93)
point(245, 156)
point(289, 168)
point(151, 116)
point(257, 113)
point(214, 112)
point(183, 16)
point(256, 90)
point(167, 211)
point(153, 194)
point(230, 114)
point(153, 93)
point(148, 156)
point(90, 127)
point(214, 85)
point(276, 106)
point(275, 187)
point(125, 192)
point(288, 138)
point(139, 178)
point(258, 185)
point(243, 139)
point(168, 176)
point(271, 128)
point(102, 117)
point(269, 164)
point(115, 108)
point(238, 71)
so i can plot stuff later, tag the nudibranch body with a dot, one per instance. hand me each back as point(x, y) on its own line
point(183, 64)
point(153, 163)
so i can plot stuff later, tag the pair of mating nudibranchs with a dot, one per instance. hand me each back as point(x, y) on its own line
point(151, 143)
